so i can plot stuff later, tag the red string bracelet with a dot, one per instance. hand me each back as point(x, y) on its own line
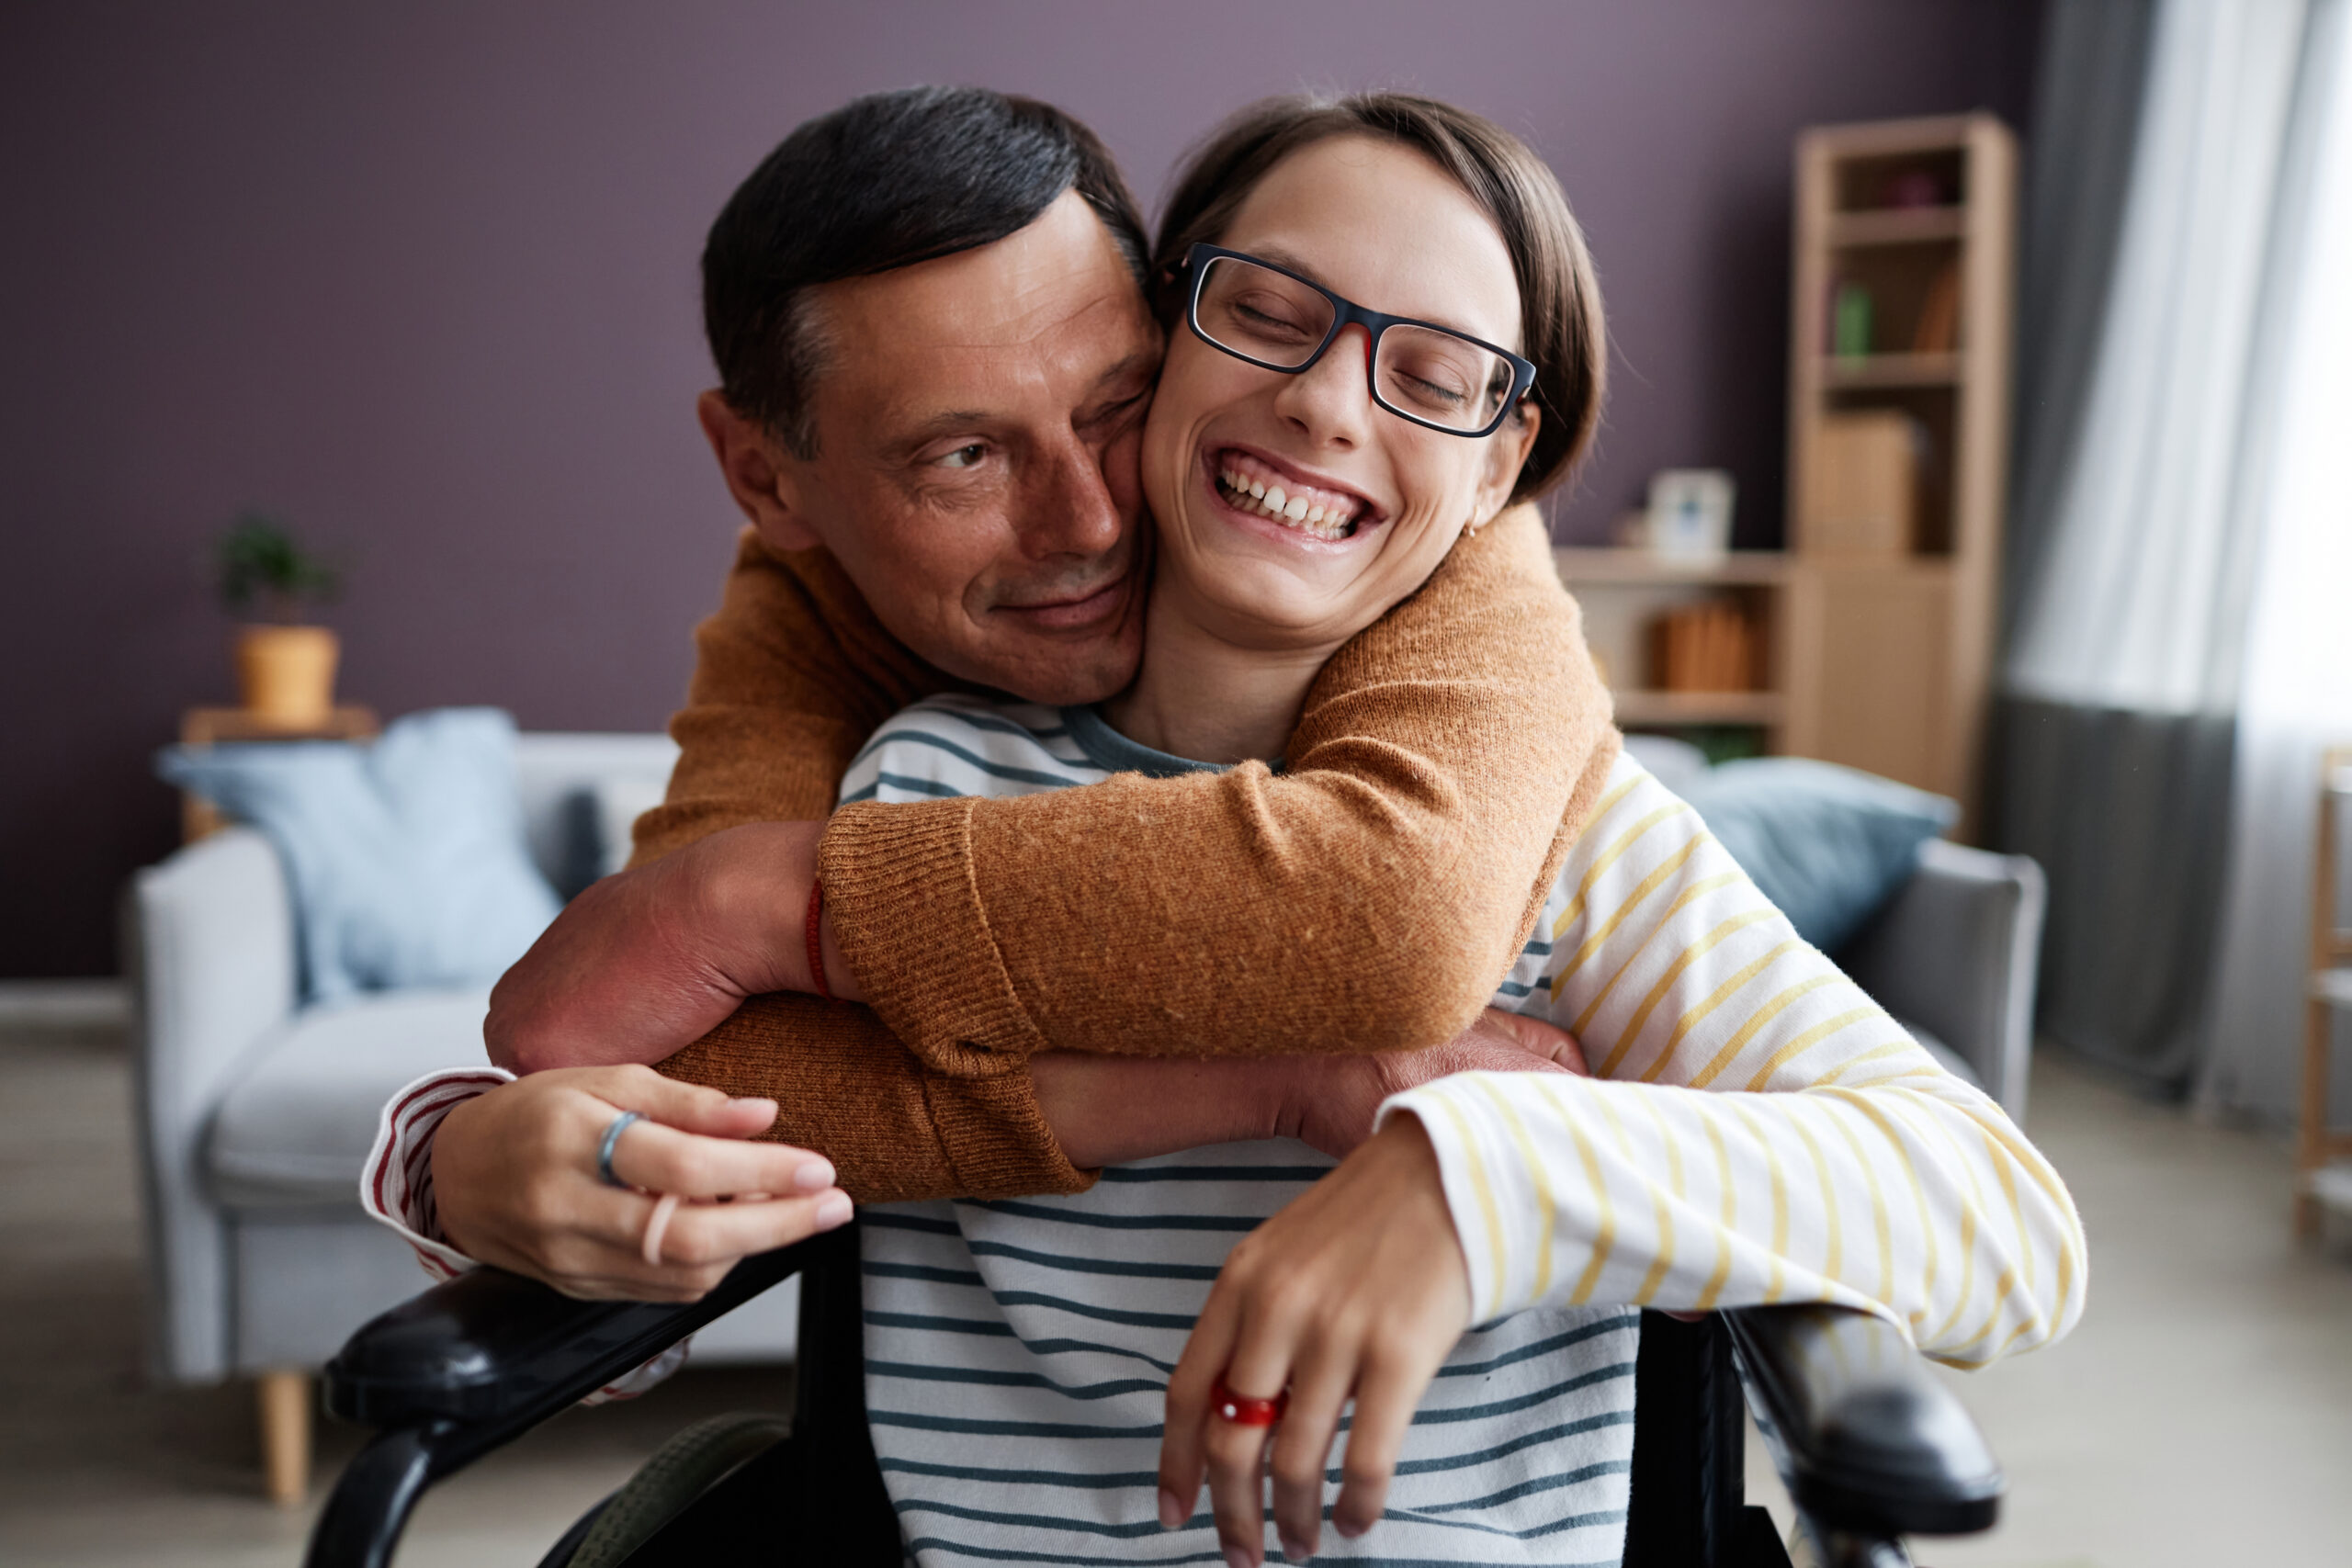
point(816, 940)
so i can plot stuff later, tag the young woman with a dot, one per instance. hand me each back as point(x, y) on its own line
point(1383, 330)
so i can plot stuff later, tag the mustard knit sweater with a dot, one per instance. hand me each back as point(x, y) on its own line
point(1367, 899)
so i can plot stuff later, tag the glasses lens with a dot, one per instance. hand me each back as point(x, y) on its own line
point(1447, 380)
point(1260, 315)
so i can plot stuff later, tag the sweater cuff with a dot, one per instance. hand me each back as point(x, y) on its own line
point(907, 913)
point(998, 1139)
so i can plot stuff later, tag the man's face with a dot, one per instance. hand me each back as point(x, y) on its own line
point(977, 421)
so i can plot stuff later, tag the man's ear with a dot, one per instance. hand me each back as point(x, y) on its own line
point(1507, 451)
point(764, 481)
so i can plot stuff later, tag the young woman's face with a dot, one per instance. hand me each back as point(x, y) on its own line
point(1382, 226)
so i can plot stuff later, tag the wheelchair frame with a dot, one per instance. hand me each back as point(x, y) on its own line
point(1870, 1446)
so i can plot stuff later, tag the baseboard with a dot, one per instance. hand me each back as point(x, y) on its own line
point(64, 1004)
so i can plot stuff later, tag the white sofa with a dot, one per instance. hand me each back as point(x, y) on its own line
point(256, 1113)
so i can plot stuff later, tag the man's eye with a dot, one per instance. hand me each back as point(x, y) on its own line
point(964, 457)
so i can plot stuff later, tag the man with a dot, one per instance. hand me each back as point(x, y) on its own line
point(934, 357)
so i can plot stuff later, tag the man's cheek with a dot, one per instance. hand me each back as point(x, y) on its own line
point(1122, 472)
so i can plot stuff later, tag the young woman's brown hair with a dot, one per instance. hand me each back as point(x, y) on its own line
point(1559, 296)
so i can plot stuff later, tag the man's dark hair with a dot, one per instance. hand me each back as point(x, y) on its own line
point(883, 182)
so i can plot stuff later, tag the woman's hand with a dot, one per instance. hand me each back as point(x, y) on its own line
point(1356, 1289)
point(516, 1184)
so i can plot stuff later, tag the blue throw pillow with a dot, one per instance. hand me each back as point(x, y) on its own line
point(1827, 844)
point(406, 854)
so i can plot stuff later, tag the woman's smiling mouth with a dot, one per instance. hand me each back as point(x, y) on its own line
point(1251, 485)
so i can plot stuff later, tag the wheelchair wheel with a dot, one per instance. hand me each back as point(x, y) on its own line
point(681, 1470)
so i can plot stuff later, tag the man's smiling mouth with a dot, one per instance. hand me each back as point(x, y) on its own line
point(1254, 486)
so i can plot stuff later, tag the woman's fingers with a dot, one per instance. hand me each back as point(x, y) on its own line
point(604, 1258)
point(690, 1107)
point(1387, 1391)
point(662, 1159)
point(1302, 1448)
point(1180, 1456)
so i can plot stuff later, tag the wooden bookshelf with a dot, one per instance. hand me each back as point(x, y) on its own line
point(1884, 658)
point(1624, 591)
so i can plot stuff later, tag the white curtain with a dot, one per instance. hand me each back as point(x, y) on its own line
point(2295, 683)
point(2139, 600)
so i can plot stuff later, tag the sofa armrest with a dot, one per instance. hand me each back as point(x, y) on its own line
point(1869, 1443)
point(210, 947)
point(473, 1363)
point(1956, 950)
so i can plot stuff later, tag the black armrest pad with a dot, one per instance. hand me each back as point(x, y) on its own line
point(1865, 1436)
point(490, 1347)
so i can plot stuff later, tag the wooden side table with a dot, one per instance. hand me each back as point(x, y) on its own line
point(207, 727)
point(2323, 1177)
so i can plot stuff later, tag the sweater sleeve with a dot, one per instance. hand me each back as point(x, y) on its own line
point(791, 675)
point(1757, 1128)
point(1366, 898)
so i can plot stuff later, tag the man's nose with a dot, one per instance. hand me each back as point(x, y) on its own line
point(1071, 509)
point(1329, 403)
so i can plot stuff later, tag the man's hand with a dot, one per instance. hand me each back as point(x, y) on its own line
point(1108, 1109)
point(644, 964)
point(515, 1185)
point(1332, 1099)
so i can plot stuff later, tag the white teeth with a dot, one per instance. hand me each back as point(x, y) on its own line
point(1313, 518)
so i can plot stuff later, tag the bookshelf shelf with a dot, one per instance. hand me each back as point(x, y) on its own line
point(1893, 370)
point(1898, 226)
point(1579, 567)
point(1680, 710)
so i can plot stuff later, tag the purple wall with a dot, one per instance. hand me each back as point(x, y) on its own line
point(422, 277)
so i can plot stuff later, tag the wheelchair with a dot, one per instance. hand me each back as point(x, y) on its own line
point(1871, 1448)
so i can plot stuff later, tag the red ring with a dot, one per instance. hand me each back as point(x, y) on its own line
point(1244, 1411)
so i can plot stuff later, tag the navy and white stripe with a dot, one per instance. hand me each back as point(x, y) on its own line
point(1018, 1352)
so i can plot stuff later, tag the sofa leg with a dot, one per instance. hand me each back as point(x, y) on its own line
point(283, 1399)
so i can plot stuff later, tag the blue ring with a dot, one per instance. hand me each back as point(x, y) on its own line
point(612, 1138)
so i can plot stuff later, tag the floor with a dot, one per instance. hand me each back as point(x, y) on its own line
point(2202, 1414)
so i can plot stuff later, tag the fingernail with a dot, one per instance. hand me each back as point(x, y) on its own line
point(1172, 1509)
point(833, 1210)
point(1345, 1529)
point(1297, 1553)
point(750, 1100)
point(1235, 1557)
point(814, 1176)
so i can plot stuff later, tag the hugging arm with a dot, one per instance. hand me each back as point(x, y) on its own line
point(1158, 917)
point(1367, 898)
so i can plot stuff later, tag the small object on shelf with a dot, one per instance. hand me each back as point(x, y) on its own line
point(1690, 514)
point(285, 668)
point(1938, 331)
point(1862, 485)
point(1915, 188)
point(1849, 317)
point(1706, 646)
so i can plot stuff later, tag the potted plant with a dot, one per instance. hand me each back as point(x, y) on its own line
point(285, 667)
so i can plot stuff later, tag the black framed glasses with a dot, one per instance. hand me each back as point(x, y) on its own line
point(1270, 317)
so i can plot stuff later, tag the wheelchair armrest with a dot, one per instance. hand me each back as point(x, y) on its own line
point(477, 1362)
point(1866, 1438)
point(490, 1347)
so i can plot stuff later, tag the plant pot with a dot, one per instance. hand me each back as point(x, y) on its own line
point(286, 674)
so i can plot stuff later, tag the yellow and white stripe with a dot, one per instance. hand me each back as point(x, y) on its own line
point(1757, 1128)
